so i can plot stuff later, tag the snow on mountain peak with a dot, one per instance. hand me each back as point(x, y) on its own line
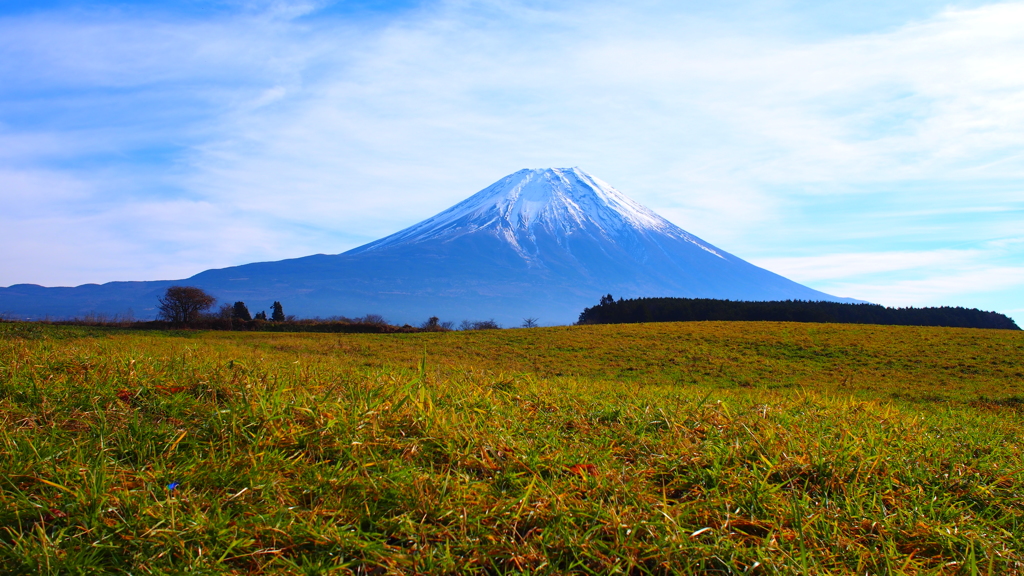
point(559, 201)
point(563, 196)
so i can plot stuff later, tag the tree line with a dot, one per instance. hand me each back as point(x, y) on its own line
point(189, 306)
point(611, 311)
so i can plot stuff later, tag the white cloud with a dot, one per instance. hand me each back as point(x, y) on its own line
point(319, 133)
point(694, 124)
point(989, 276)
point(958, 288)
point(28, 192)
point(82, 248)
point(851, 265)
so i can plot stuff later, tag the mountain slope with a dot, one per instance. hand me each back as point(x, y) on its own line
point(537, 243)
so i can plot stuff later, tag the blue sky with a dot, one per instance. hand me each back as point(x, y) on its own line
point(867, 149)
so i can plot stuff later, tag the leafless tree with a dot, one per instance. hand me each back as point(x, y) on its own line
point(184, 304)
point(479, 325)
point(434, 324)
point(375, 319)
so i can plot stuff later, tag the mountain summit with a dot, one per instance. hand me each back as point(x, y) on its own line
point(553, 202)
point(538, 243)
point(565, 231)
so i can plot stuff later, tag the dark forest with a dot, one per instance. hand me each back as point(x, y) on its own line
point(611, 311)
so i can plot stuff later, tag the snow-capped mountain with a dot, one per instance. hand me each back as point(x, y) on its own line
point(538, 243)
point(557, 202)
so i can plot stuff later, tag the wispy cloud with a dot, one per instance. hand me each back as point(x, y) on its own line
point(291, 130)
point(989, 276)
point(851, 265)
point(962, 288)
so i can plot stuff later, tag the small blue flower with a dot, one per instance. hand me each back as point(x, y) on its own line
point(173, 485)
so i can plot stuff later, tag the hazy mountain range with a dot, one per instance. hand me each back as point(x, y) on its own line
point(538, 243)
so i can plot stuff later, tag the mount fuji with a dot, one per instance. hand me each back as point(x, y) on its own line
point(538, 243)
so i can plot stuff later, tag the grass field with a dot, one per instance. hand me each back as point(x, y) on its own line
point(717, 448)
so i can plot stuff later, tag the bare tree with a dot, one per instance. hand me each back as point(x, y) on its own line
point(375, 319)
point(184, 304)
point(479, 325)
point(434, 324)
point(530, 323)
point(225, 312)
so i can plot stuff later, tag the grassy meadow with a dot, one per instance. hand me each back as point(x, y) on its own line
point(692, 448)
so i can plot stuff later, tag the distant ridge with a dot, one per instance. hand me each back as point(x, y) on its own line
point(540, 243)
point(635, 310)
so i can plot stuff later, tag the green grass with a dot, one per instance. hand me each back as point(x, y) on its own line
point(717, 448)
